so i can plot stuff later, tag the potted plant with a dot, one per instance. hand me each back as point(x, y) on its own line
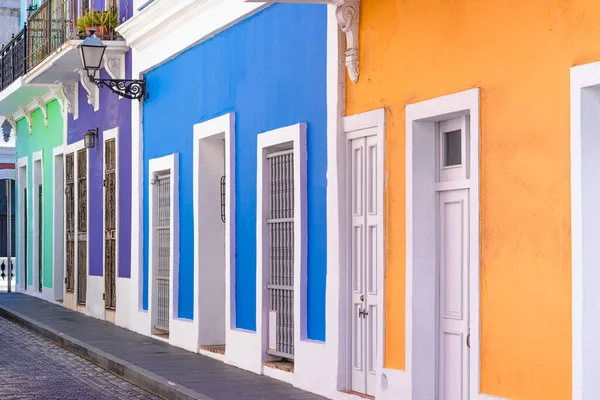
point(104, 22)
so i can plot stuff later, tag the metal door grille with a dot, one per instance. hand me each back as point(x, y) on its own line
point(4, 236)
point(162, 231)
point(281, 242)
point(110, 218)
point(70, 228)
point(39, 238)
point(81, 226)
point(25, 234)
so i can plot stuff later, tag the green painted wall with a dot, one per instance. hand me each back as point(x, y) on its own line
point(45, 139)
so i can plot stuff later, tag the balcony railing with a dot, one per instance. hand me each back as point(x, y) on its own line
point(12, 59)
point(51, 25)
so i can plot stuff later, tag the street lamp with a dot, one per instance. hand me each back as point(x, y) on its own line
point(91, 52)
point(89, 138)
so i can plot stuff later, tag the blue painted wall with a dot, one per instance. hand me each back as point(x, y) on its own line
point(271, 71)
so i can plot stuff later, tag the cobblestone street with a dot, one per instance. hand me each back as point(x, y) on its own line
point(34, 368)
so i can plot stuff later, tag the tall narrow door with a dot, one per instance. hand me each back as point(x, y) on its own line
point(162, 239)
point(70, 216)
point(110, 219)
point(453, 261)
point(365, 219)
point(281, 242)
point(81, 226)
point(25, 235)
point(40, 243)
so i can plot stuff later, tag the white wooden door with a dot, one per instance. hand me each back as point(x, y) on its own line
point(453, 261)
point(366, 219)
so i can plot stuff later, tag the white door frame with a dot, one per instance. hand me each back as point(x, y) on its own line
point(106, 136)
point(352, 127)
point(421, 119)
point(585, 229)
point(37, 179)
point(206, 136)
point(58, 235)
point(22, 203)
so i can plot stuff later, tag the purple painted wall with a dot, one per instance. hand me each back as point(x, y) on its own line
point(113, 112)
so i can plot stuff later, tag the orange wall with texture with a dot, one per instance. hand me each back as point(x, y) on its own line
point(519, 54)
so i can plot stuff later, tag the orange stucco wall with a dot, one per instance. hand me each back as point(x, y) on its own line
point(519, 53)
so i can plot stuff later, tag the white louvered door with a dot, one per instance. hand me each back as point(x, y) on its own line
point(365, 222)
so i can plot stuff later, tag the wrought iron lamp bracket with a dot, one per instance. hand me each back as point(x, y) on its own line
point(134, 89)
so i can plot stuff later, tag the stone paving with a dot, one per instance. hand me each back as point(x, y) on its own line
point(210, 378)
point(33, 368)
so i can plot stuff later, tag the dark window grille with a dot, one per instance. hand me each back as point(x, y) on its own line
point(81, 226)
point(110, 219)
point(70, 228)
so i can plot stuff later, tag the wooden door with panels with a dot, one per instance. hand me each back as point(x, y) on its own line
point(453, 238)
point(365, 219)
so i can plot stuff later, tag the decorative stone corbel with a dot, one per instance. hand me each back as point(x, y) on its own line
point(58, 94)
point(27, 114)
point(115, 66)
point(12, 123)
point(71, 97)
point(92, 90)
point(42, 106)
point(347, 14)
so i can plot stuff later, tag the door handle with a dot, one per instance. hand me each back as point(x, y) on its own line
point(469, 340)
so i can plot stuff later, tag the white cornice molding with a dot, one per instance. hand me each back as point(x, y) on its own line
point(160, 12)
point(92, 90)
point(188, 22)
point(42, 106)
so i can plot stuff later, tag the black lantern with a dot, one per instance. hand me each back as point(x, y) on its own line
point(91, 52)
point(89, 138)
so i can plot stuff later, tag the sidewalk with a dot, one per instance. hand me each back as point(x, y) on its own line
point(153, 365)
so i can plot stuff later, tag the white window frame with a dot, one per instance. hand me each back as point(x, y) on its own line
point(266, 143)
point(159, 165)
point(106, 136)
point(58, 236)
point(37, 157)
point(23, 171)
point(421, 121)
point(222, 127)
point(585, 229)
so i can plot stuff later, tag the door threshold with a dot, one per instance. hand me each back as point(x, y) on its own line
point(216, 351)
point(280, 370)
point(357, 394)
